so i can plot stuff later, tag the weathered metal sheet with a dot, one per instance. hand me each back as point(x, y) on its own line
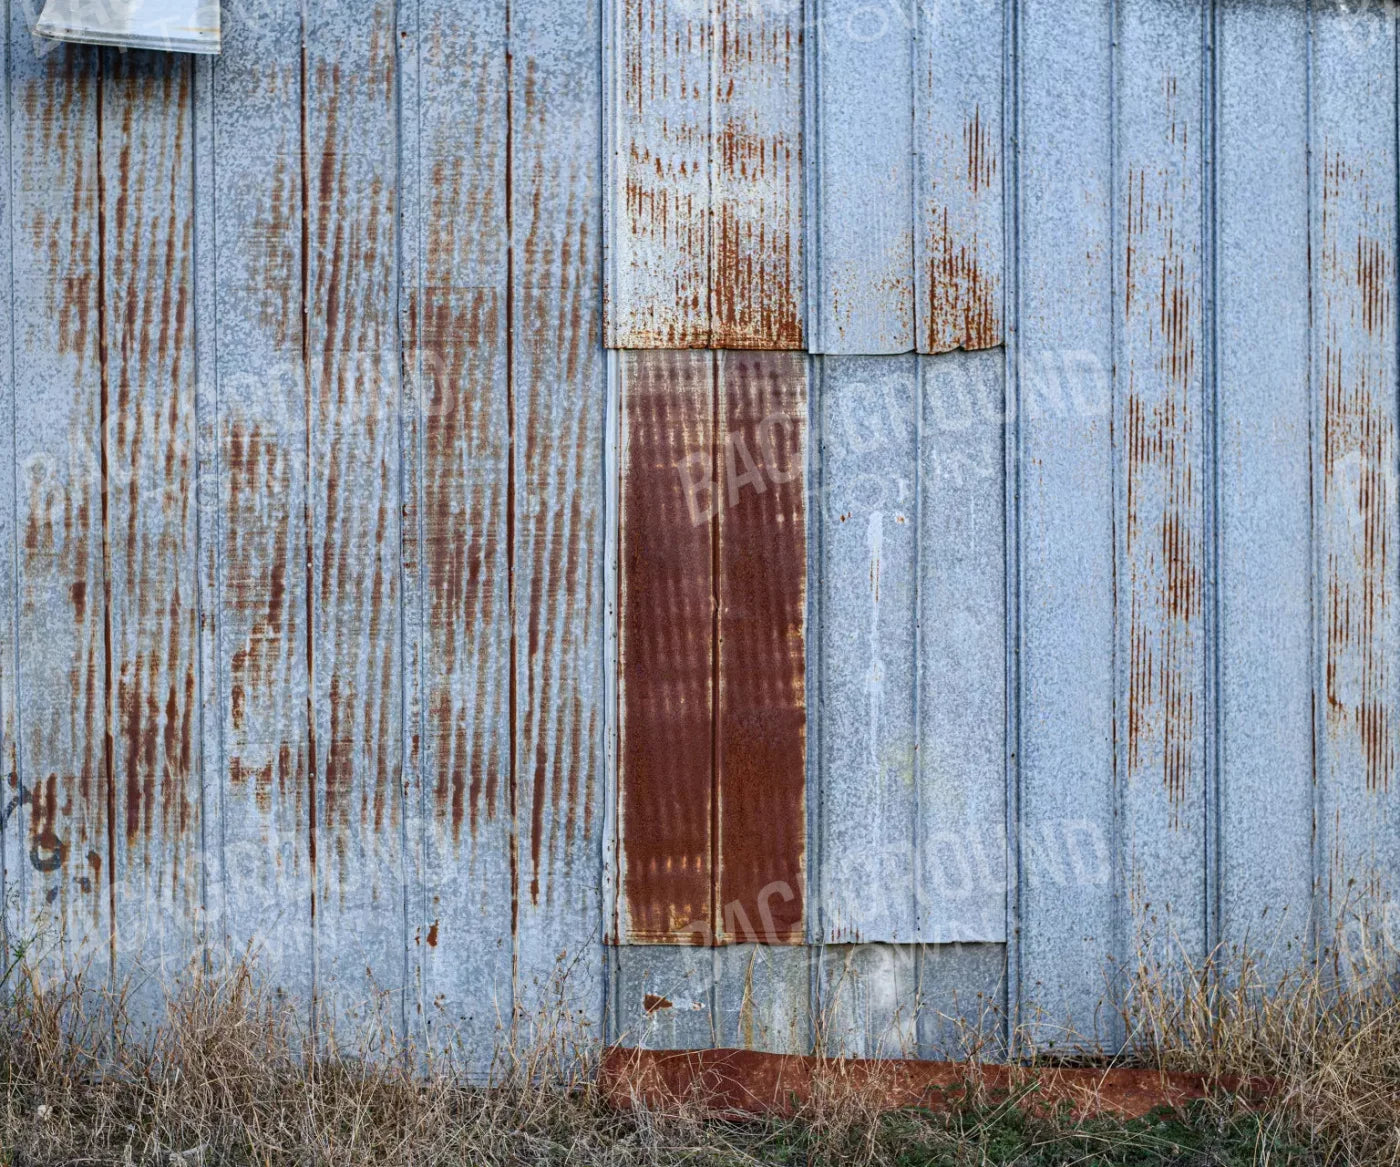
point(960, 673)
point(150, 465)
point(705, 210)
point(912, 669)
point(1265, 525)
point(61, 824)
point(1069, 921)
point(457, 525)
point(1353, 187)
point(260, 872)
point(761, 590)
point(11, 839)
point(667, 650)
point(867, 647)
point(959, 63)
point(559, 399)
point(911, 1001)
point(356, 824)
point(763, 997)
point(861, 146)
point(1161, 360)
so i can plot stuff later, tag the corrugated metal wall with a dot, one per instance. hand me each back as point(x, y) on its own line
point(1025, 604)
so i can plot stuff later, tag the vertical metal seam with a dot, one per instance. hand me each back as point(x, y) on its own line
point(308, 511)
point(1210, 440)
point(1316, 629)
point(607, 832)
point(1011, 518)
point(917, 753)
point(420, 484)
point(17, 740)
point(1119, 922)
point(405, 737)
point(716, 778)
point(512, 775)
point(711, 74)
point(109, 710)
point(205, 330)
point(816, 515)
point(811, 164)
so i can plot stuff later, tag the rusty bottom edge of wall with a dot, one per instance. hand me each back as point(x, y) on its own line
point(731, 1082)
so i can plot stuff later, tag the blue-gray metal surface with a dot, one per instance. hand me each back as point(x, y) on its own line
point(307, 610)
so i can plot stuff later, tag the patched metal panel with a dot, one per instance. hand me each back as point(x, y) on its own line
point(712, 553)
point(1264, 458)
point(705, 211)
point(911, 630)
point(1353, 204)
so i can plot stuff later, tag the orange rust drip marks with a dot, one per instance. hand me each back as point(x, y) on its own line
point(962, 267)
point(459, 332)
point(664, 300)
point(1163, 450)
point(756, 158)
point(355, 546)
point(152, 439)
point(1356, 268)
point(61, 566)
point(558, 329)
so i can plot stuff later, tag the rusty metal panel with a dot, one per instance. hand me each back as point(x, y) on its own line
point(867, 565)
point(260, 883)
point(705, 194)
point(662, 997)
point(959, 233)
point(1353, 205)
point(61, 824)
point(667, 651)
point(147, 332)
point(712, 770)
point(1068, 910)
point(559, 399)
point(1264, 532)
point(457, 560)
point(1160, 362)
point(761, 587)
point(960, 674)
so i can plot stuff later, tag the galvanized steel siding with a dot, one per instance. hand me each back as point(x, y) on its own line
point(361, 611)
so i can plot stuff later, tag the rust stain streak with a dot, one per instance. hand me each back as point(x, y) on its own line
point(1356, 270)
point(61, 565)
point(1162, 444)
point(962, 246)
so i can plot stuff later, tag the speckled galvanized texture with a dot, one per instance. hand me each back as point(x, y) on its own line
point(361, 611)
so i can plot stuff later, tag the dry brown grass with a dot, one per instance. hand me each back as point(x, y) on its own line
point(1324, 1035)
point(233, 1077)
